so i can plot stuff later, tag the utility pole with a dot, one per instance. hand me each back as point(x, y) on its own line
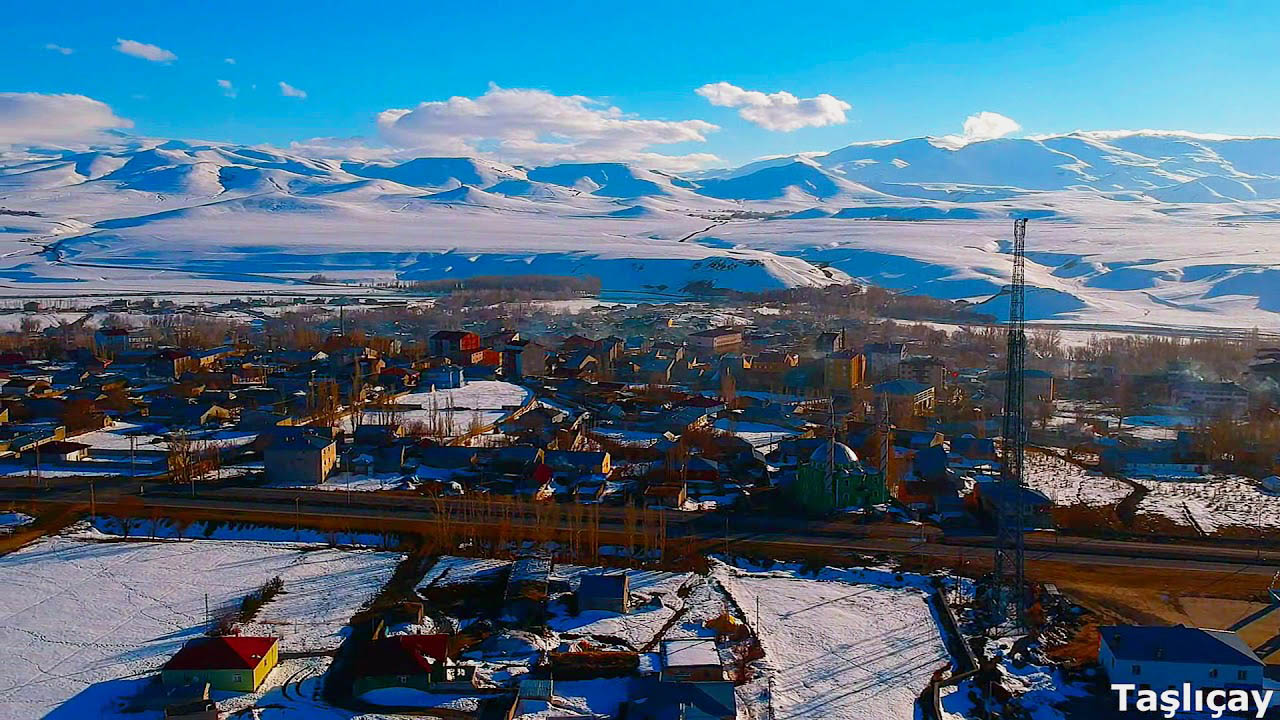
point(1009, 578)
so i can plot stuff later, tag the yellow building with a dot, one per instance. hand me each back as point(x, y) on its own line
point(844, 370)
point(231, 663)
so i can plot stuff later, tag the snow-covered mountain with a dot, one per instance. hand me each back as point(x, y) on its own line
point(1162, 228)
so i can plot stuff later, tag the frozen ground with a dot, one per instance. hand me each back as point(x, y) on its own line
point(76, 612)
point(847, 644)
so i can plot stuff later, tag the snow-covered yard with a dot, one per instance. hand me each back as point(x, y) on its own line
point(759, 435)
point(1068, 484)
point(1214, 502)
point(845, 644)
point(76, 611)
point(117, 437)
point(483, 401)
point(655, 603)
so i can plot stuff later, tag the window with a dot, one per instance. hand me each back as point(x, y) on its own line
point(1136, 669)
point(235, 677)
point(1213, 673)
point(1242, 675)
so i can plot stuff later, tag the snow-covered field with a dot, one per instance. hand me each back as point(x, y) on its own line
point(845, 644)
point(1068, 484)
point(1129, 229)
point(482, 401)
point(1214, 502)
point(77, 611)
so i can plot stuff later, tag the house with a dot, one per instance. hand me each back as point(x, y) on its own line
point(579, 462)
point(883, 360)
point(691, 660)
point(445, 343)
point(409, 661)
point(610, 592)
point(1158, 658)
point(63, 450)
point(232, 663)
point(442, 377)
point(907, 399)
point(716, 341)
point(523, 357)
point(1037, 385)
point(670, 494)
point(114, 340)
point(829, 342)
point(684, 701)
point(999, 499)
point(300, 455)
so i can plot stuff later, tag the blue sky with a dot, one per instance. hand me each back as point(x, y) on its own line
point(903, 69)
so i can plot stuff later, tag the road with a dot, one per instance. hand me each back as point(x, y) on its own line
point(781, 537)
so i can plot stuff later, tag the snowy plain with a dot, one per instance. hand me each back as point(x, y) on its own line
point(1144, 229)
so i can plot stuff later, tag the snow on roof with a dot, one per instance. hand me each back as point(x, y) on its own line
point(693, 652)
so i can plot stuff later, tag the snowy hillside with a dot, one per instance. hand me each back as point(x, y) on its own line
point(1128, 228)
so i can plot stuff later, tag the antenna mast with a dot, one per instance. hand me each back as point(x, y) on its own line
point(1010, 562)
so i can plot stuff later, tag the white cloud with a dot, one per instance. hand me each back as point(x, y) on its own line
point(538, 127)
point(229, 61)
point(143, 50)
point(228, 88)
point(40, 118)
point(288, 90)
point(985, 125)
point(780, 111)
point(58, 48)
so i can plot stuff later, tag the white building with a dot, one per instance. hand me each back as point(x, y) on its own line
point(1160, 658)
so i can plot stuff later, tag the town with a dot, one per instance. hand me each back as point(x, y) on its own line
point(522, 499)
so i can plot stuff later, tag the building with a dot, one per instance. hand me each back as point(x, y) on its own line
point(419, 662)
point(300, 455)
point(447, 343)
point(829, 342)
point(579, 462)
point(844, 370)
point(1036, 385)
point(716, 341)
point(609, 592)
point(847, 484)
point(691, 660)
point(1212, 399)
point(907, 399)
point(883, 360)
point(115, 340)
point(523, 357)
point(1159, 658)
point(232, 663)
point(925, 369)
